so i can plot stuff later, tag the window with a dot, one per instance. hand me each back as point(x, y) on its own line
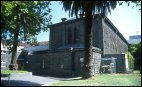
point(75, 36)
point(73, 39)
point(69, 36)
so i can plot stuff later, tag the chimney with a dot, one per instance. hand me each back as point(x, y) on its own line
point(63, 19)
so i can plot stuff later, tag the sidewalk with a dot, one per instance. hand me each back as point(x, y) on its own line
point(30, 80)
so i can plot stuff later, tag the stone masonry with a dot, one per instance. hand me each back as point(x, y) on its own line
point(105, 35)
point(60, 62)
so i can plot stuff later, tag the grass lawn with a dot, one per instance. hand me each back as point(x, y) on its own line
point(105, 80)
point(12, 71)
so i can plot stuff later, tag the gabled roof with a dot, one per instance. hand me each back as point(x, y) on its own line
point(44, 43)
point(37, 48)
point(41, 47)
point(72, 46)
point(67, 21)
point(115, 29)
point(24, 44)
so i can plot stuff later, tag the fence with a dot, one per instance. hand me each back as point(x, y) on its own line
point(108, 65)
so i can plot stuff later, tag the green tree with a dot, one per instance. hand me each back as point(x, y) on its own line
point(22, 21)
point(89, 8)
point(130, 61)
point(135, 50)
point(137, 3)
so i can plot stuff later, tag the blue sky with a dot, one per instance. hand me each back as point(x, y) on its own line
point(126, 19)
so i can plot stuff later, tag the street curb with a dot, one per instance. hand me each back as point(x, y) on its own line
point(23, 74)
point(50, 83)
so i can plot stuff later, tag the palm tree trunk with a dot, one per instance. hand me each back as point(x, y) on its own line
point(13, 64)
point(88, 68)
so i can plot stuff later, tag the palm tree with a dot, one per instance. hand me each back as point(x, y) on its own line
point(89, 8)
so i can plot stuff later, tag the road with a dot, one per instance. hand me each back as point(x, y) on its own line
point(30, 80)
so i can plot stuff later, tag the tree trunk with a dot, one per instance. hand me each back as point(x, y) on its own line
point(88, 67)
point(13, 65)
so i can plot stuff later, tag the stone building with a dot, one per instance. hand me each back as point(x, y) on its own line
point(66, 48)
point(71, 33)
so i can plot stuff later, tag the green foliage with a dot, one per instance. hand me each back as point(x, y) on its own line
point(34, 42)
point(12, 71)
point(104, 80)
point(130, 61)
point(135, 49)
point(26, 18)
point(139, 49)
point(22, 21)
point(137, 3)
point(98, 7)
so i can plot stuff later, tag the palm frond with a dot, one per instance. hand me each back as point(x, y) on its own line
point(67, 6)
point(98, 7)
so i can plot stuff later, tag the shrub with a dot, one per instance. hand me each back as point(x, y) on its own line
point(130, 60)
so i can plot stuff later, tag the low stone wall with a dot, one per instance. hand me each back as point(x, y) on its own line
point(59, 62)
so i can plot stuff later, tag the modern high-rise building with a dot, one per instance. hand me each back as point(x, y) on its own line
point(134, 39)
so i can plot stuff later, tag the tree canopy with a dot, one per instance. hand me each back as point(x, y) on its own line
point(28, 15)
point(22, 21)
point(135, 49)
point(74, 7)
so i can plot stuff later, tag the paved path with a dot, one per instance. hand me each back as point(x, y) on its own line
point(30, 80)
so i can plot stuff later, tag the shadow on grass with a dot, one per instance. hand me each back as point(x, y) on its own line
point(18, 83)
point(56, 75)
point(73, 79)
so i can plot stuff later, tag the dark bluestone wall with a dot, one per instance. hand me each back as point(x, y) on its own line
point(97, 32)
point(113, 41)
point(59, 33)
point(105, 35)
point(63, 62)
